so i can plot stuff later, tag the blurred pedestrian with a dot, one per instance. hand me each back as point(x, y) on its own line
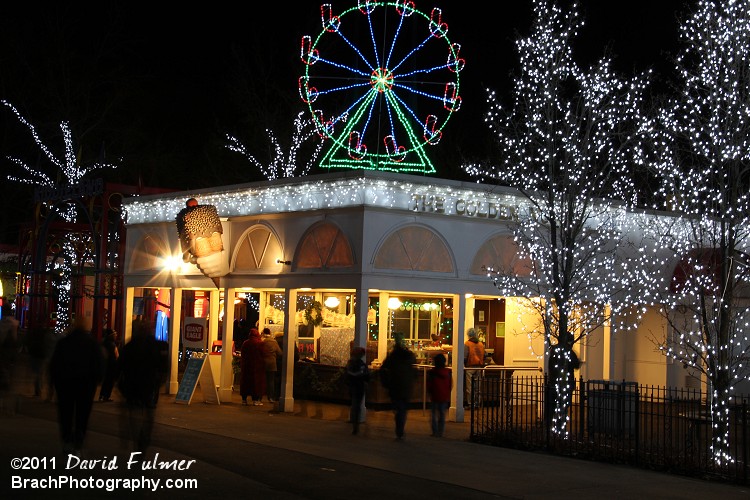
point(271, 356)
point(397, 375)
point(75, 369)
point(252, 369)
point(142, 365)
point(439, 384)
point(8, 353)
point(111, 353)
point(40, 343)
point(357, 376)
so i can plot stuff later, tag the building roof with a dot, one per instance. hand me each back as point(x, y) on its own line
point(334, 190)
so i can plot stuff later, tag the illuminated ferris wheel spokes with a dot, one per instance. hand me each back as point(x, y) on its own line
point(393, 110)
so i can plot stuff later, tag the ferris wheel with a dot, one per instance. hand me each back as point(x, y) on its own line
point(381, 82)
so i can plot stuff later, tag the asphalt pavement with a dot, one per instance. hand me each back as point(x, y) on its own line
point(214, 451)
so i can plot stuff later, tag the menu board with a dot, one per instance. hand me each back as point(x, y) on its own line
point(190, 380)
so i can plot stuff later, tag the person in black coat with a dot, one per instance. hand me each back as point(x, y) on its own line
point(143, 365)
point(357, 376)
point(397, 375)
point(109, 345)
point(75, 370)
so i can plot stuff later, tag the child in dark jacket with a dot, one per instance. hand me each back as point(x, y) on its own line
point(357, 375)
point(439, 384)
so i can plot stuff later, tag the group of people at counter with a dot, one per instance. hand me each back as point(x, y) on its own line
point(260, 363)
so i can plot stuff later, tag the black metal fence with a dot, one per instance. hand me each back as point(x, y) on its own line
point(621, 422)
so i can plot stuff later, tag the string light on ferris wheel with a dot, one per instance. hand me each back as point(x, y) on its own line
point(380, 104)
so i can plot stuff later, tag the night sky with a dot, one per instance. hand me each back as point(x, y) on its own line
point(160, 88)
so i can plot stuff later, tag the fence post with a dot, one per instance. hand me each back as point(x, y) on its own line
point(471, 403)
point(581, 407)
point(546, 418)
point(744, 441)
point(637, 418)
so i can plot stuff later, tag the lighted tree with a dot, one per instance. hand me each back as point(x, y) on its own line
point(284, 163)
point(701, 157)
point(566, 144)
point(58, 170)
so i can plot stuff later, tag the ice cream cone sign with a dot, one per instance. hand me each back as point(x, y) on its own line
point(199, 229)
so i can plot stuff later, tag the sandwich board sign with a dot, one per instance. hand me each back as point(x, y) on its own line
point(196, 372)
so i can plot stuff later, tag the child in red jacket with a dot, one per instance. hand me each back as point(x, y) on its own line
point(439, 384)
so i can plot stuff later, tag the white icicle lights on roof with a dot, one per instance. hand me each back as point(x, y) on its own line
point(370, 189)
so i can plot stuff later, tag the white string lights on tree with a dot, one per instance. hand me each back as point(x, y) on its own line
point(68, 169)
point(700, 153)
point(69, 166)
point(566, 144)
point(283, 164)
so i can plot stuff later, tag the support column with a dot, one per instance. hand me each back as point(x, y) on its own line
point(469, 305)
point(456, 412)
point(127, 322)
point(227, 375)
point(175, 330)
point(286, 402)
point(213, 316)
point(262, 303)
point(361, 335)
point(360, 327)
point(383, 325)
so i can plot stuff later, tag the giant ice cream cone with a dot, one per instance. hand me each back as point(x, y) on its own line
point(200, 232)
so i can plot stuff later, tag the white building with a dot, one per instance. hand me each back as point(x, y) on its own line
point(376, 235)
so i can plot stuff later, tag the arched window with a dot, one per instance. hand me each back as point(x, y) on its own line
point(324, 246)
point(414, 248)
point(501, 254)
point(258, 249)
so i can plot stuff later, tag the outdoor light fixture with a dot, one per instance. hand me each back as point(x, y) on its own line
point(284, 262)
point(394, 303)
point(172, 263)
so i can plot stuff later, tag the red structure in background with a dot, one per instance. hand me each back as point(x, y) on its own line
point(93, 248)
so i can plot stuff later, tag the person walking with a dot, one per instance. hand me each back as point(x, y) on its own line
point(252, 369)
point(111, 353)
point(142, 367)
point(271, 355)
point(75, 370)
point(357, 376)
point(397, 375)
point(8, 352)
point(439, 384)
point(37, 346)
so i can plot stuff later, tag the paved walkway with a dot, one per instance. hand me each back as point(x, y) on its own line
point(261, 453)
